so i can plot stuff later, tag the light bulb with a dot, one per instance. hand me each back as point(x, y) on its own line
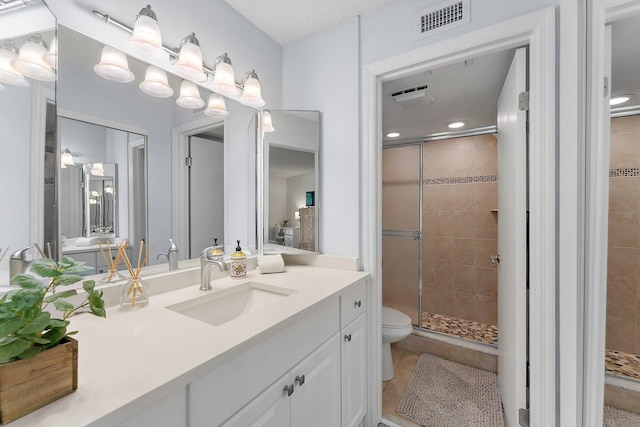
point(114, 66)
point(189, 63)
point(189, 96)
point(155, 83)
point(216, 107)
point(252, 94)
point(267, 125)
point(224, 78)
point(147, 38)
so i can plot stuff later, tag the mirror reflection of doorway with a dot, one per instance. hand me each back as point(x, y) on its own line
point(206, 190)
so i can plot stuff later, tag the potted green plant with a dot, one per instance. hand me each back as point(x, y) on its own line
point(38, 359)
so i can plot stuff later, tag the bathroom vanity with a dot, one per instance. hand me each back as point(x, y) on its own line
point(297, 358)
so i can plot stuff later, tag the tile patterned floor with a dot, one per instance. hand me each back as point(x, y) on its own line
point(623, 364)
point(617, 362)
point(392, 391)
point(468, 329)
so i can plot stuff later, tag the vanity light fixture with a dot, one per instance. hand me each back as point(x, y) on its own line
point(97, 169)
point(30, 61)
point(252, 94)
point(393, 134)
point(267, 125)
point(146, 38)
point(8, 74)
point(456, 125)
point(66, 159)
point(216, 107)
point(9, 5)
point(620, 99)
point(114, 66)
point(224, 79)
point(51, 57)
point(189, 96)
point(189, 62)
point(155, 83)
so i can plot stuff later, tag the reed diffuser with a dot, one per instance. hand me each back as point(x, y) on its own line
point(135, 293)
point(112, 263)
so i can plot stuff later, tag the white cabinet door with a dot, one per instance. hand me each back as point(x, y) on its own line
point(354, 370)
point(271, 408)
point(316, 399)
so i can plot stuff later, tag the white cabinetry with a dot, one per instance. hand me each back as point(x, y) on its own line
point(305, 396)
point(353, 355)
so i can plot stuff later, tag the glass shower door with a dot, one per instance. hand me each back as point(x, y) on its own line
point(401, 229)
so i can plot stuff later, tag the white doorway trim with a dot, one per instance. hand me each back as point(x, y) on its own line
point(180, 179)
point(538, 31)
point(597, 203)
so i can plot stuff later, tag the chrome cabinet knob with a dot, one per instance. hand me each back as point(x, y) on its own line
point(357, 303)
point(300, 379)
point(289, 389)
point(347, 338)
point(495, 259)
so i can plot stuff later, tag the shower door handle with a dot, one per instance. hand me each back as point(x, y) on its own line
point(495, 259)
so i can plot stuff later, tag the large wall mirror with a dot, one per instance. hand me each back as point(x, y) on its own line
point(290, 183)
point(28, 135)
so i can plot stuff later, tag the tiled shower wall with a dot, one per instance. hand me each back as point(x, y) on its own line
point(623, 271)
point(460, 225)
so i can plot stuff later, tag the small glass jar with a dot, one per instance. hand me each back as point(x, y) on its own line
point(135, 294)
point(112, 277)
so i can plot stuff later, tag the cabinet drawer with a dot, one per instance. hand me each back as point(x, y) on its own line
point(353, 302)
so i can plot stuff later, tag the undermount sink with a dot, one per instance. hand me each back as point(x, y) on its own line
point(225, 305)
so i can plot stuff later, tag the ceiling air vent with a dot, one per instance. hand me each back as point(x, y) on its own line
point(442, 17)
point(412, 97)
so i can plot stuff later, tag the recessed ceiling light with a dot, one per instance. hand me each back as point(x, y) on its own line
point(393, 134)
point(620, 99)
point(456, 125)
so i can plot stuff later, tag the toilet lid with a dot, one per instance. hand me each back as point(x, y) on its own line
point(392, 318)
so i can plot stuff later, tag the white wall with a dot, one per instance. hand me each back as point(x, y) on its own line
point(321, 72)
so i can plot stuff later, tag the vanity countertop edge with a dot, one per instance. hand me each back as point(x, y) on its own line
point(125, 364)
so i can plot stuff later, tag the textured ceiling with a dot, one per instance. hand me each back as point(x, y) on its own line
point(286, 21)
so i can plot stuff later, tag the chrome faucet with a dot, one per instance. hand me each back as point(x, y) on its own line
point(172, 255)
point(206, 261)
point(18, 262)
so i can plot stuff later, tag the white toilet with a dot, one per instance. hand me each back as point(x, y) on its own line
point(395, 327)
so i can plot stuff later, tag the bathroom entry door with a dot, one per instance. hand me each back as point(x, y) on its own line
point(512, 241)
point(206, 194)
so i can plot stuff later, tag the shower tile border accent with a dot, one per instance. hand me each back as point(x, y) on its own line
point(454, 180)
point(462, 328)
point(622, 364)
point(616, 173)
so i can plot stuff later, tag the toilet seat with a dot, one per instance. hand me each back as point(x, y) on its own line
point(394, 319)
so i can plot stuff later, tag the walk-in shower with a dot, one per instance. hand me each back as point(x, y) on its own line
point(440, 229)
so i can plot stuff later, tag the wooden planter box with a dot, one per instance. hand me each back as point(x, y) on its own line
point(29, 384)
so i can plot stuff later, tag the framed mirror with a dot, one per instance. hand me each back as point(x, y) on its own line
point(290, 174)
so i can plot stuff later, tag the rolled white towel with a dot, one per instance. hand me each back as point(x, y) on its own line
point(85, 241)
point(270, 264)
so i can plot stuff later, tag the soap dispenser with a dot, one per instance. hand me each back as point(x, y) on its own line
point(238, 263)
point(216, 252)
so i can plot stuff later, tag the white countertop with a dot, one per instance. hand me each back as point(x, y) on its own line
point(133, 358)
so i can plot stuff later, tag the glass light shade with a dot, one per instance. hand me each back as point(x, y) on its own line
point(189, 63)
point(51, 57)
point(155, 83)
point(8, 74)
point(146, 38)
point(252, 95)
point(66, 158)
point(30, 61)
point(267, 126)
point(216, 108)
point(189, 96)
point(114, 66)
point(224, 80)
point(97, 169)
